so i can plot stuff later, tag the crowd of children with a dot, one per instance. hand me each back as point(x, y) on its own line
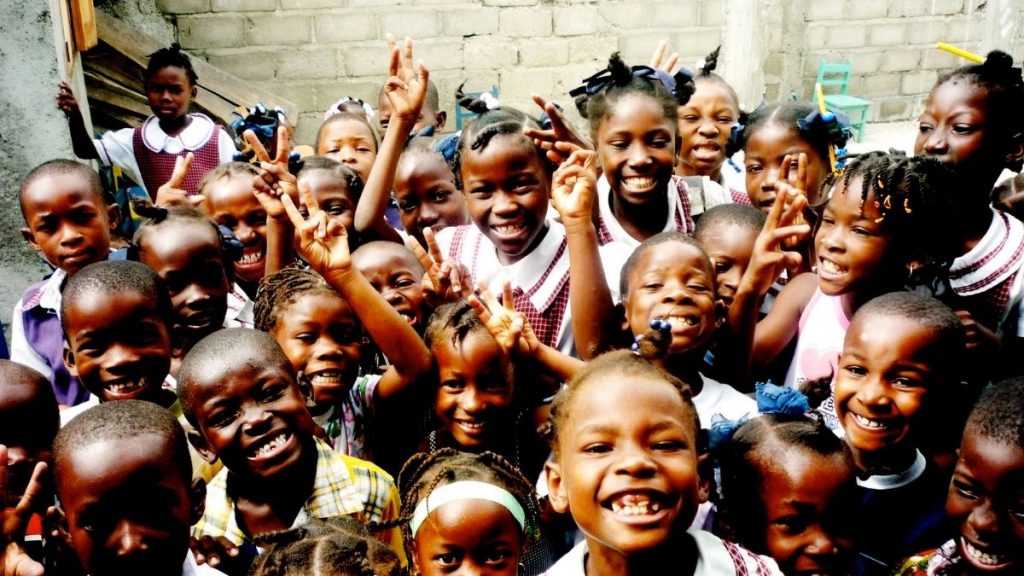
point(524, 348)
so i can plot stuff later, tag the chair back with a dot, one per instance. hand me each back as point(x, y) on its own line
point(836, 76)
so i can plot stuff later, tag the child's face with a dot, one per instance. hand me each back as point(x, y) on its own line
point(332, 195)
point(350, 142)
point(426, 195)
point(850, 245)
point(232, 203)
point(188, 256)
point(627, 464)
point(253, 417)
point(170, 93)
point(321, 337)
point(67, 221)
point(729, 246)
point(392, 270)
point(636, 145)
point(468, 537)
point(954, 129)
point(672, 281)
point(986, 499)
point(763, 154)
point(27, 432)
point(886, 370)
point(808, 500)
point(507, 191)
point(118, 345)
point(474, 397)
point(127, 508)
point(705, 123)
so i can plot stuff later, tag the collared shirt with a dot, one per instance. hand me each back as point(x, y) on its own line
point(239, 314)
point(115, 147)
point(678, 218)
point(342, 486)
point(48, 297)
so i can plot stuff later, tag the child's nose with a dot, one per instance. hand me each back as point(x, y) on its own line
point(635, 461)
point(708, 129)
point(935, 144)
point(128, 538)
point(639, 155)
point(505, 203)
point(426, 216)
point(70, 235)
point(244, 232)
point(983, 519)
point(470, 400)
point(821, 543)
point(873, 393)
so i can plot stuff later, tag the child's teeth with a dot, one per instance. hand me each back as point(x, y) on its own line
point(635, 505)
point(326, 378)
point(639, 182)
point(829, 267)
point(271, 446)
point(868, 423)
point(983, 557)
point(251, 258)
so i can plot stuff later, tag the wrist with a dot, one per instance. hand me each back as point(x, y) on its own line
point(579, 224)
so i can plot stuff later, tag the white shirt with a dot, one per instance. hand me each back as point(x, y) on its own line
point(116, 147)
point(618, 233)
point(21, 351)
point(718, 399)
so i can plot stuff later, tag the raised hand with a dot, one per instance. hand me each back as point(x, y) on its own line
point(793, 183)
point(668, 64)
point(574, 187)
point(323, 241)
point(171, 192)
point(508, 327)
point(443, 279)
point(406, 86)
point(16, 562)
point(66, 100)
point(273, 180)
point(784, 224)
point(405, 69)
point(559, 141)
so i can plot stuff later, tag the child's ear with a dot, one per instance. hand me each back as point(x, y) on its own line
point(1015, 157)
point(721, 313)
point(440, 120)
point(194, 91)
point(113, 216)
point(556, 490)
point(706, 473)
point(306, 389)
point(197, 492)
point(29, 237)
point(69, 360)
point(199, 443)
point(620, 312)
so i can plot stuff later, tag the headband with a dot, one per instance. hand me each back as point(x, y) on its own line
point(466, 490)
point(335, 108)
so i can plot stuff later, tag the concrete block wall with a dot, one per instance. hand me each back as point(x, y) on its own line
point(316, 51)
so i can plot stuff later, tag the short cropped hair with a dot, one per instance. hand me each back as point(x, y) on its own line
point(743, 215)
point(60, 167)
point(999, 413)
point(114, 277)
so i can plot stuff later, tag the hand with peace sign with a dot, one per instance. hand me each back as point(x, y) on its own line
point(171, 192)
point(273, 180)
point(574, 187)
point(406, 86)
point(323, 241)
point(443, 278)
point(561, 139)
point(660, 61)
point(508, 327)
point(16, 562)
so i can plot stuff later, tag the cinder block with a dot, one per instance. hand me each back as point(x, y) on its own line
point(183, 6)
point(815, 37)
point(227, 31)
point(887, 34)
point(307, 4)
point(412, 23)
point(489, 54)
point(365, 61)
point(900, 60)
point(517, 85)
point(712, 12)
point(511, 2)
point(664, 14)
point(278, 30)
point(947, 7)
point(576, 20)
point(302, 95)
point(346, 27)
point(439, 54)
point(918, 82)
point(544, 52)
point(623, 15)
point(525, 22)
point(879, 85)
point(846, 36)
point(469, 21)
point(312, 64)
point(825, 10)
point(591, 49)
point(367, 89)
point(248, 64)
point(893, 109)
point(243, 5)
point(904, 8)
point(865, 9)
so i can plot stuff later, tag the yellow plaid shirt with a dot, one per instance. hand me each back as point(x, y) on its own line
point(343, 486)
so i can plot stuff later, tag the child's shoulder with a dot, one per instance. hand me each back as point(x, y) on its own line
point(716, 556)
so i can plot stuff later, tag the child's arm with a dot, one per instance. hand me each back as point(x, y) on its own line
point(274, 181)
point(324, 244)
point(81, 140)
point(406, 91)
point(573, 188)
point(515, 335)
point(749, 343)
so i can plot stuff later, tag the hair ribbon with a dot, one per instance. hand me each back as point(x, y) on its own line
point(466, 490)
point(773, 399)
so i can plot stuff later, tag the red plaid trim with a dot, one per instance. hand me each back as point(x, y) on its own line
point(741, 556)
point(988, 307)
point(156, 167)
point(684, 217)
point(990, 256)
point(603, 235)
point(545, 323)
point(739, 197)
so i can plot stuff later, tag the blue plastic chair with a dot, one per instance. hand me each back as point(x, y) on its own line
point(837, 76)
point(462, 115)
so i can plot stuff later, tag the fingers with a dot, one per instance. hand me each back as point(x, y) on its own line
point(421, 87)
point(435, 250)
point(307, 198)
point(293, 212)
point(455, 279)
point(283, 146)
point(506, 296)
point(659, 54)
point(32, 492)
point(182, 164)
point(257, 147)
point(801, 172)
point(393, 65)
point(671, 64)
point(407, 62)
point(197, 200)
point(421, 254)
point(480, 308)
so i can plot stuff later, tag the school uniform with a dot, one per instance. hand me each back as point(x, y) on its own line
point(240, 312)
point(342, 486)
point(734, 179)
point(715, 557)
point(540, 280)
point(147, 154)
point(679, 218)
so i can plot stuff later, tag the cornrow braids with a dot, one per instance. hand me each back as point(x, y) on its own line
point(335, 169)
point(917, 197)
point(228, 171)
point(170, 56)
point(278, 291)
point(425, 472)
point(817, 134)
point(452, 322)
point(490, 123)
point(334, 546)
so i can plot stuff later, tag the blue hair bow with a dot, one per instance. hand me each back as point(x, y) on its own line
point(736, 137)
point(835, 124)
point(722, 430)
point(772, 399)
point(603, 80)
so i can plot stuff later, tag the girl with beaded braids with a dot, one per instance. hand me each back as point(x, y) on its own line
point(974, 122)
point(148, 153)
point(885, 219)
point(633, 124)
point(470, 513)
point(339, 546)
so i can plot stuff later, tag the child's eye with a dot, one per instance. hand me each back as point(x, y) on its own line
point(447, 560)
point(404, 283)
point(924, 128)
point(721, 266)
point(272, 392)
point(904, 382)
point(669, 445)
point(454, 385)
point(855, 370)
point(363, 149)
point(725, 120)
point(698, 287)
point(221, 418)
point(754, 168)
point(691, 118)
point(964, 490)
point(828, 220)
point(963, 129)
point(791, 524)
point(438, 196)
point(597, 448)
point(619, 144)
point(862, 231)
point(497, 556)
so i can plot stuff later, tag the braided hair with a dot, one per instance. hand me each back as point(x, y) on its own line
point(1004, 86)
point(918, 200)
point(170, 56)
point(489, 123)
point(425, 472)
point(596, 107)
point(278, 291)
point(706, 73)
point(340, 546)
point(334, 169)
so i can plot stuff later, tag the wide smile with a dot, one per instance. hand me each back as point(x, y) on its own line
point(639, 184)
point(638, 507)
point(124, 388)
point(472, 427)
point(326, 380)
point(829, 270)
point(706, 151)
point(509, 231)
point(984, 559)
point(252, 256)
point(270, 447)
